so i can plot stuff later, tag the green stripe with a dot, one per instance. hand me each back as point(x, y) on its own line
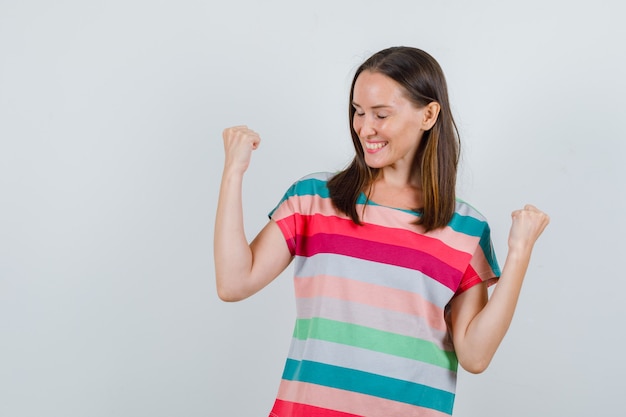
point(467, 224)
point(369, 384)
point(310, 186)
point(376, 340)
point(490, 255)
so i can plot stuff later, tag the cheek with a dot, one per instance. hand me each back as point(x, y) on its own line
point(356, 124)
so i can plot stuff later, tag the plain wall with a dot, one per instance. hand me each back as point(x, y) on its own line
point(111, 116)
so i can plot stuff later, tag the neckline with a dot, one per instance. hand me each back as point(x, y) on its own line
point(367, 201)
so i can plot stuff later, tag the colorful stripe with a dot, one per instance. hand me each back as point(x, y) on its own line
point(370, 337)
point(352, 403)
point(465, 224)
point(372, 362)
point(380, 253)
point(380, 275)
point(369, 384)
point(286, 408)
point(376, 340)
point(373, 296)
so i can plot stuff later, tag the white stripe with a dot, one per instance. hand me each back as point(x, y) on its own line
point(391, 276)
point(373, 362)
point(372, 317)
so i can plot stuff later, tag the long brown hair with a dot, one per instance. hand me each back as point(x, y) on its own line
point(437, 157)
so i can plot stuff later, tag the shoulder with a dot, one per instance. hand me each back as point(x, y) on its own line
point(468, 220)
point(314, 183)
point(317, 176)
point(304, 196)
point(463, 208)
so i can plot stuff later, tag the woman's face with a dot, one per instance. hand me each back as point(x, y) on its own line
point(389, 126)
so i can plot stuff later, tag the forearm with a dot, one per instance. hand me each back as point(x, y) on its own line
point(232, 254)
point(487, 329)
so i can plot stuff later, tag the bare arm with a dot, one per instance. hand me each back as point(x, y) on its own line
point(478, 323)
point(242, 269)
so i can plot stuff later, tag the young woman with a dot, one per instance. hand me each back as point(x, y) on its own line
point(391, 269)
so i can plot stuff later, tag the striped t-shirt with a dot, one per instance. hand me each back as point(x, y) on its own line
point(371, 338)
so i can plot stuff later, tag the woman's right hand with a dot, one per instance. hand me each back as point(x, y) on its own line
point(239, 142)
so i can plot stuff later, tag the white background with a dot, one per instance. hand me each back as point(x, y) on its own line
point(111, 115)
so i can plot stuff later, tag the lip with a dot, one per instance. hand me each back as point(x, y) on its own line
point(373, 147)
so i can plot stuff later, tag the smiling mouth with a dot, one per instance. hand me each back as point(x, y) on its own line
point(375, 146)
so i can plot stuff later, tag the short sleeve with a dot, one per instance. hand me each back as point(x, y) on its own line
point(483, 266)
point(297, 205)
point(285, 215)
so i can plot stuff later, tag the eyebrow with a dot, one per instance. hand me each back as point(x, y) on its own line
point(378, 106)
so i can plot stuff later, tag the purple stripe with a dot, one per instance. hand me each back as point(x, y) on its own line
point(401, 256)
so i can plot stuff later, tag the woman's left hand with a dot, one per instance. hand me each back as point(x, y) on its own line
point(528, 224)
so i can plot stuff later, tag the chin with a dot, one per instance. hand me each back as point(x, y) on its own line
point(375, 165)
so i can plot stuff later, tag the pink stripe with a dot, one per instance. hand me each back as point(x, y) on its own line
point(404, 235)
point(402, 238)
point(381, 253)
point(480, 261)
point(372, 295)
point(349, 402)
point(290, 409)
point(378, 215)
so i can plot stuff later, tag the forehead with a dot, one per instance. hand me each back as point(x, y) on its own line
point(374, 88)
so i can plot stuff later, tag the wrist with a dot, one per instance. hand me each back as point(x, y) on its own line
point(519, 253)
point(232, 173)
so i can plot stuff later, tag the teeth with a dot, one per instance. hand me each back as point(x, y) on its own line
point(376, 145)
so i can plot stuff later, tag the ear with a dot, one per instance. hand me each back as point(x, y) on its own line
point(431, 113)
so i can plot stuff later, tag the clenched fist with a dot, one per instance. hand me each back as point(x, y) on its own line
point(528, 224)
point(239, 142)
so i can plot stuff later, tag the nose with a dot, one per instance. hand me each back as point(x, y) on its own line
point(364, 126)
